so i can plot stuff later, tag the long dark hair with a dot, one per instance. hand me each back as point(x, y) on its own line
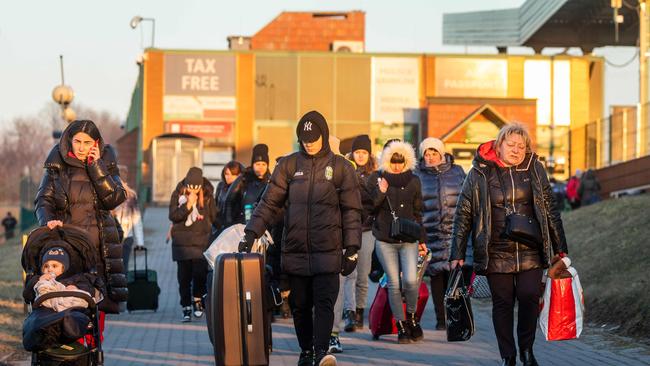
point(86, 126)
point(235, 168)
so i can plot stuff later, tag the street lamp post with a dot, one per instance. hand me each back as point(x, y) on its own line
point(135, 21)
point(63, 96)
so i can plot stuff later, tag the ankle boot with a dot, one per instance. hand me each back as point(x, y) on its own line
point(509, 361)
point(414, 324)
point(527, 358)
point(403, 333)
point(359, 318)
point(350, 321)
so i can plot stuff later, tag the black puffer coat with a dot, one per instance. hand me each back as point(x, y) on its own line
point(404, 193)
point(220, 199)
point(441, 188)
point(83, 195)
point(189, 242)
point(323, 212)
point(475, 217)
point(247, 189)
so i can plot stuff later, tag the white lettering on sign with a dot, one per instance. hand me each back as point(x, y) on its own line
point(202, 83)
point(200, 66)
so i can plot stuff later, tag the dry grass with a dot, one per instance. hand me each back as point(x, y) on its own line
point(11, 303)
point(609, 244)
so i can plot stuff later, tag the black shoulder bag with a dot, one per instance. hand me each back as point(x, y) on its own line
point(520, 228)
point(403, 229)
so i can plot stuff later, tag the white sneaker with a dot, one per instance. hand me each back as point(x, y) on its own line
point(335, 345)
point(187, 314)
point(198, 307)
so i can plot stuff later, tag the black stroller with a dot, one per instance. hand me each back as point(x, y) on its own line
point(71, 336)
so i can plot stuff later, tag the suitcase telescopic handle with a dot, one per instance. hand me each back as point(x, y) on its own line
point(146, 265)
point(249, 312)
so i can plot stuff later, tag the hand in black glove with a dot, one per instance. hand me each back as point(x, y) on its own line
point(349, 261)
point(246, 243)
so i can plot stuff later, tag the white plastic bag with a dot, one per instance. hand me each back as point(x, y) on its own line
point(228, 242)
point(563, 308)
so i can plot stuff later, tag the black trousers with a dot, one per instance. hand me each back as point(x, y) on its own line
point(525, 288)
point(192, 275)
point(312, 304)
point(439, 284)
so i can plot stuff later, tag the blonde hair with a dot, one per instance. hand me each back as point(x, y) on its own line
point(514, 128)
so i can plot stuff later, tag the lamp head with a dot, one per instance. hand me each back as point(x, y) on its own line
point(135, 21)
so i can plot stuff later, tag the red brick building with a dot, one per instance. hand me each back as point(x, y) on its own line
point(313, 31)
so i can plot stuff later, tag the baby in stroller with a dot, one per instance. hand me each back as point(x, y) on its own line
point(62, 289)
point(54, 263)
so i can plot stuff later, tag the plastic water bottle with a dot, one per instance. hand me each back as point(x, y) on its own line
point(248, 212)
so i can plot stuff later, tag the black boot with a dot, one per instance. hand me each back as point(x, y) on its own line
point(358, 318)
point(509, 361)
point(306, 358)
point(403, 332)
point(526, 356)
point(350, 321)
point(416, 329)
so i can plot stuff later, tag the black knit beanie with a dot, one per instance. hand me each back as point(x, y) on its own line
point(362, 142)
point(260, 153)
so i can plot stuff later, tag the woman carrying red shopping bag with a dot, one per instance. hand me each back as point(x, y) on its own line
point(507, 209)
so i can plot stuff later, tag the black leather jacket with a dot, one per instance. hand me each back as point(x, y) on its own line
point(474, 216)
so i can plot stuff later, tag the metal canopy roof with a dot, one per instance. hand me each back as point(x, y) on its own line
point(544, 23)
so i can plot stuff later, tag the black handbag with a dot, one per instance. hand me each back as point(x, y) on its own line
point(520, 228)
point(459, 318)
point(403, 229)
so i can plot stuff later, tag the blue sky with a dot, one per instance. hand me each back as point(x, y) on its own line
point(100, 48)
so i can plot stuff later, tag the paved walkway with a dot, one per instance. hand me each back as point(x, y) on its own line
point(148, 338)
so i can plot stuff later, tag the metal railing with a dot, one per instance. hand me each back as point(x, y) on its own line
point(614, 139)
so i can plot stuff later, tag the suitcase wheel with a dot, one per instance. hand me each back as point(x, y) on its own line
point(375, 337)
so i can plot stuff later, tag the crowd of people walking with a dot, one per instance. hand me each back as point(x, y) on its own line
point(329, 214)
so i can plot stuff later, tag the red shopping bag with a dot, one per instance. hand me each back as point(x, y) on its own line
point(562, 312)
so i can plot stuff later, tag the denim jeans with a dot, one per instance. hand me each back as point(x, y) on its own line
point(345, 299)
point(363, 268)
point(393, 257)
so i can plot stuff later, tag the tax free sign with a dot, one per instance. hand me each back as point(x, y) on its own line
point(199, 86)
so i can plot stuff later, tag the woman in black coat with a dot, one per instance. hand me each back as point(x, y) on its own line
point(80, 186)
point(192, 212)
point(398, 192)
point(507, 178)
point(229, 174)
point(441, 181)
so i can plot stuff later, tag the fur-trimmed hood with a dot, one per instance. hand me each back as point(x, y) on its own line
point(403, 148)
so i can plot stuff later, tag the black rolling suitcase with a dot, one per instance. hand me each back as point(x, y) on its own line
point(142, 285)
point(241, 328)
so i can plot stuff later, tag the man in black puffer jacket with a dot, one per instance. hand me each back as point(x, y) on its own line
point(322, 218)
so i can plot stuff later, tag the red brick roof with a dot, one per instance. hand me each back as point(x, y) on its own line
point(310, 31)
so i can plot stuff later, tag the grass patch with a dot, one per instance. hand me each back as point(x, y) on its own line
point(11, 301)
point(609, 244)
